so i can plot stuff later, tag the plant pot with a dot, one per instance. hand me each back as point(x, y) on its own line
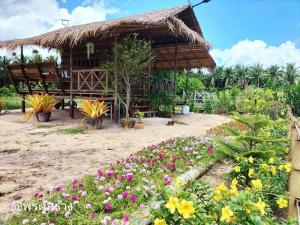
point(139, 125)
point(131, 124)
point(123, 123)
point(185, 109)
point(43, 116)
point(97, 123)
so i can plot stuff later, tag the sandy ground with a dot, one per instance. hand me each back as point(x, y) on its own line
point(34, 157)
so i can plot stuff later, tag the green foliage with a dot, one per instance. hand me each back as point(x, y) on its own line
point(72, 130)
point(294, 98)
point(162, 102)
point(194, 83)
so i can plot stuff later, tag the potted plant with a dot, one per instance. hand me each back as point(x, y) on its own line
point(42, 106)
point(139, 123)
point(94, 111)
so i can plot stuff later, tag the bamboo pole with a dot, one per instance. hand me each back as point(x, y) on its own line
point(187, 81)
point(71, 84)
point(116, 96)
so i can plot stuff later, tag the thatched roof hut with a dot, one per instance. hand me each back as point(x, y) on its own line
point(175, 33)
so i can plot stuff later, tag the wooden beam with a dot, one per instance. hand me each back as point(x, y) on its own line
point(71, 84)
point(116, 116)
point(22, 54)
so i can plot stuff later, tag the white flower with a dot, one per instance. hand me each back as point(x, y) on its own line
point(102, 178)
point(100, 188)
point(83, 193)
point(76, 202)
point(25, 221)
point(120, 197)
point(88, 206)
point(34, 220)
point(67, 214)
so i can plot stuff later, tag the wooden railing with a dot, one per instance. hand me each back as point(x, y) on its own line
point(91, 80)
point(162, 85)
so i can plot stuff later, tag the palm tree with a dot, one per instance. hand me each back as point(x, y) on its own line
point(291, 73)
point(241, 74)
point(3, 73)
point(257, 73)
point(216, 75)
point(274, 73)
point(228, 76)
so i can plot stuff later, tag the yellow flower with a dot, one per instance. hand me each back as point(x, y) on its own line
point(247, 189)
point(221, 188)
point(251, 172)
point(186, 209)
point(172, 204)
point(273, 170)
point(217, 197)
point(237, 169)
point(271, 160)
point(250, 159)
point(233, 191)
point(260, 206)
point(178, 183)
point(264, 166)
point(160, 222)
point(226, 214)
point(288, 167)
point(257, 185)
point(282, 203)
point(234, 182)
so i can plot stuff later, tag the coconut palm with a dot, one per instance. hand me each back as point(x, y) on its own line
point(3, 74)
point(274, 73)
point(228, 75)
point(216, 77)
point(241, 74)
point(291, 73)
point(257, 74)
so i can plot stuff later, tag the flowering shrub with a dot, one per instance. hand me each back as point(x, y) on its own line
point(110, 196)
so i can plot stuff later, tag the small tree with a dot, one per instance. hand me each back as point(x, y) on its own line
point(133, 55)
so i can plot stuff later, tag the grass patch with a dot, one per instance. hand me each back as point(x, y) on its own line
point(72, 130)
point(11, 102)
point(43, 126)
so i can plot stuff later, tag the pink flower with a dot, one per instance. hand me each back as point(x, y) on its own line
point(167, 180)
point(210, 149)
point(74, 198)
point(107, 207)
point(126, 220)
point(93, 216)
point(59, 187)
point(122, 177)
point(129, 176)
point(109, 173)
point(88, 206)
point(133, 198)
point(100, 173)
point(125, 194)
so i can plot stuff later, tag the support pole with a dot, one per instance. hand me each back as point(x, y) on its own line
point(175, 68)
point(22, 54)
point(23, 106)
point(71, 84)
point(116, 96)
point(187, 81)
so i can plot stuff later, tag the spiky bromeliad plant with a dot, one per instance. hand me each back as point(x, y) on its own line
point(40, 103)
point(254, 141)
point(94, 111)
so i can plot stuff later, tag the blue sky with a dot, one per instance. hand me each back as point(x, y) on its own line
point(240, 31)
point(225, 22)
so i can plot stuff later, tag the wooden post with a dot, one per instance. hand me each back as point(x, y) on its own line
point(71, 84)
point(175, 67)
point(116, 96)
point(22, 54)
point(187, 81)
point(23, 106)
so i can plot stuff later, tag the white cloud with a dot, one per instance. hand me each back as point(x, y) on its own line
point(248, 52)
point(26, 18)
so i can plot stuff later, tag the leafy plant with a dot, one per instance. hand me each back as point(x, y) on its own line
point(40, 103)
point(162, 102)
point(140, 115)
point(72, 130)
point(94, 109)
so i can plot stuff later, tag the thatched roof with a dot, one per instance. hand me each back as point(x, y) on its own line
point(74, 35)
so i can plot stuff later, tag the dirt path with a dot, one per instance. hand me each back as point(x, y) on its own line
point(215, 176)
point(34, 157)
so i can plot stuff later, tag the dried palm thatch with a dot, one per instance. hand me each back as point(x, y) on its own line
point(71, 36)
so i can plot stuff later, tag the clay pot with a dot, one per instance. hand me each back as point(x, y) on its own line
point(97, 123)
point(123, 123)
point(139, 125)
point(131, 124)
point(43, 116)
